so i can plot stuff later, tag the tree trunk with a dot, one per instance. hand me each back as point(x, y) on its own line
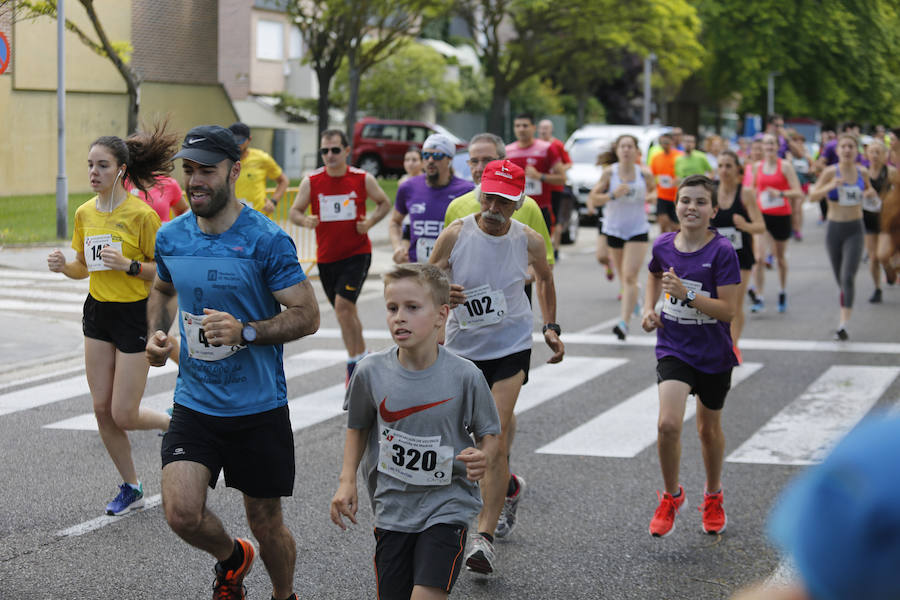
point(582, 108)
point(353, 99)
point(324, 77)
point(497, 116)
point(134, 107)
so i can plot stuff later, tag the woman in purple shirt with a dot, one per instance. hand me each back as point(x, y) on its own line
point(697, 269)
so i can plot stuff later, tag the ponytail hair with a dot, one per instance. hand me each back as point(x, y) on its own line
point(146, 155)
point(609, 157)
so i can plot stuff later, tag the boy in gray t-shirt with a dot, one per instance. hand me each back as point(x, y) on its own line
point(413, 410)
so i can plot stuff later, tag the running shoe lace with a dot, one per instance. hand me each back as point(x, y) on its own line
point(712, 507)
point(667, 506)
point(124, 491)
point(224, 591)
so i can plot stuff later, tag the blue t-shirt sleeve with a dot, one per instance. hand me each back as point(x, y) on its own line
point(727, 270)
point(161, 269)
point(281, 267)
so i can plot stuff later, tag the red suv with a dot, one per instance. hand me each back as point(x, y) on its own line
point(379, 144)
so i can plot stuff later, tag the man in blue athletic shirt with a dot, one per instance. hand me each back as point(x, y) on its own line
point(230, 408)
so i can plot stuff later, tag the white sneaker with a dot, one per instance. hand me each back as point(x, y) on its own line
point(507, 521)
point(480, 558)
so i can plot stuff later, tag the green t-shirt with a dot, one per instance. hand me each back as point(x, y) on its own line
point(530, 214)
point(693, 164)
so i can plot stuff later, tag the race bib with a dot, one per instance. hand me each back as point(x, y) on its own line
point(678, 310)
point(770, 199)
point(533, 187)
point(849, 195)
point(734, 236)
point(424, 246)
point(93, 245)
point(665, 181)
point(198, 346)
point(630, 195)
point(483, 306)
point(340, 207)
point(801, 166)
point(872, 203)
point(413, 459)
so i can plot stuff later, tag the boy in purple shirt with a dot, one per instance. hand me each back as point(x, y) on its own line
point(698, 271)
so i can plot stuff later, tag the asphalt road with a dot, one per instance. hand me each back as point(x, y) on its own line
point(583, 523)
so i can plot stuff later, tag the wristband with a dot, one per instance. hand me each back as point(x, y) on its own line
point(552, 327)
point(274, 201)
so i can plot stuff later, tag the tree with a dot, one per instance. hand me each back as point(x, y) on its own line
point(834, 60)
point(402, 83)
point(119, 53)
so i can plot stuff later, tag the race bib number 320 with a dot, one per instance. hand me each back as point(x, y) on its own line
point(483, 306)
point(413, 459)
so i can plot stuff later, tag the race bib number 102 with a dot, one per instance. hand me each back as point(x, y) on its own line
point(413, 459)
point(483, 306)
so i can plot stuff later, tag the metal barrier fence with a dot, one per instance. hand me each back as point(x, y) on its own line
point(304, 238)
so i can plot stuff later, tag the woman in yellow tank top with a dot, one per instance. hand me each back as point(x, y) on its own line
point(114, 240)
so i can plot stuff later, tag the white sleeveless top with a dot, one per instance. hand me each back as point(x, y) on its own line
point(625, 217)
point(501, 263)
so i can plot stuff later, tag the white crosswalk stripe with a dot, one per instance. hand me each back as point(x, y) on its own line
point(808, 428)
point(627, 428)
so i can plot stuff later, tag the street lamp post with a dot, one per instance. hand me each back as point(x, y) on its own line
point(648, 72)
point(770, 96)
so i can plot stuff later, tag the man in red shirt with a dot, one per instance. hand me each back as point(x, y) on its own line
point(541, 161)
point(338, 214)
point(557, 192)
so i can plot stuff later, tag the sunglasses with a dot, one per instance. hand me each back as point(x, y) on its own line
point(435, 155)
point(333, 150)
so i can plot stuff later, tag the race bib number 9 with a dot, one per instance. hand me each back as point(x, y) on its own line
point(340, 207)
point(413, 459)
point(533, 187)
point(198, 346)
point(483, 306)
point(93, 245)
point(733, 235)
point(849, 195)
point(678, 310)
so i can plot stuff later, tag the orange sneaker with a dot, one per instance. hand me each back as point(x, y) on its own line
point(663, 522)
point(714, 519)
point(229, 583)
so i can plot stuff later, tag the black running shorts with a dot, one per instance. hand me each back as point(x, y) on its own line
point(666, 207)
point(345, 277)
point(123, 324)
point(619, 243)
point(872, 221)
point(710, 388)
point(780, 226)
point(431, 558)
point(498, 369)
point(255, 451)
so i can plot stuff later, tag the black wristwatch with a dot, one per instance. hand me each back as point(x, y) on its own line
point(552, 327)
point(690, 297)
point(274, 201)
point(135, 268)
point(248, 334)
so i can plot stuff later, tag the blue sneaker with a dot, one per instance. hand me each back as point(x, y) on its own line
point(127, 500)
point(782, 302)
point(758, 306)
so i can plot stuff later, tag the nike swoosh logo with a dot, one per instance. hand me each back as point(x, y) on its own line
point(195, 140)
point(390, 416)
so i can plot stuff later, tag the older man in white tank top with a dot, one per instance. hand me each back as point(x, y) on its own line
point(487, 256)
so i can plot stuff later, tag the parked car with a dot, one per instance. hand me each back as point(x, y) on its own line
point(587, 143)
point(378, 145)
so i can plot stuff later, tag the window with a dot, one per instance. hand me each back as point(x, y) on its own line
point(269, 40)
point(295, 44)
point(416, 134)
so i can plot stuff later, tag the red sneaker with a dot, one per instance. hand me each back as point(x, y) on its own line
point(738, 355)
point(663, 522)
point(714, 519)
point(229, 583)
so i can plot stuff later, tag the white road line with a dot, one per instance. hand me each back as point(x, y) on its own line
point(805, 430)
point(51, 307)
point(784, 574)
point(295, 366)
point(19, 274)
point(89, 526)
point(626, 429)
point(55, 391)
point(42, 377)
point(602, 326)
point(550, 381)
point(51, 295)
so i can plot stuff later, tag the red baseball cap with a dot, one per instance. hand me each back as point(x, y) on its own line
point(504, 178)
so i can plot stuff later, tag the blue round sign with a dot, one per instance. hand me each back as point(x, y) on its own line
point(4, 53)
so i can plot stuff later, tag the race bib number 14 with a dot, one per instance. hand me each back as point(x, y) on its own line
point(93, 246)
point(413, 459)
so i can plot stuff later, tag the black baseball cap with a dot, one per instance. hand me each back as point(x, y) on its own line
point(209, 145)
point(241, 132)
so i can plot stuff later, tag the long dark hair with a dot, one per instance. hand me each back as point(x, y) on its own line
point(609, 157)
point(146, 155)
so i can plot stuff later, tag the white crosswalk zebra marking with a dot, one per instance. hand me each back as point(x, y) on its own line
point(549, 381)
point(626, 429)
point(294, 366)
point(808, 428)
